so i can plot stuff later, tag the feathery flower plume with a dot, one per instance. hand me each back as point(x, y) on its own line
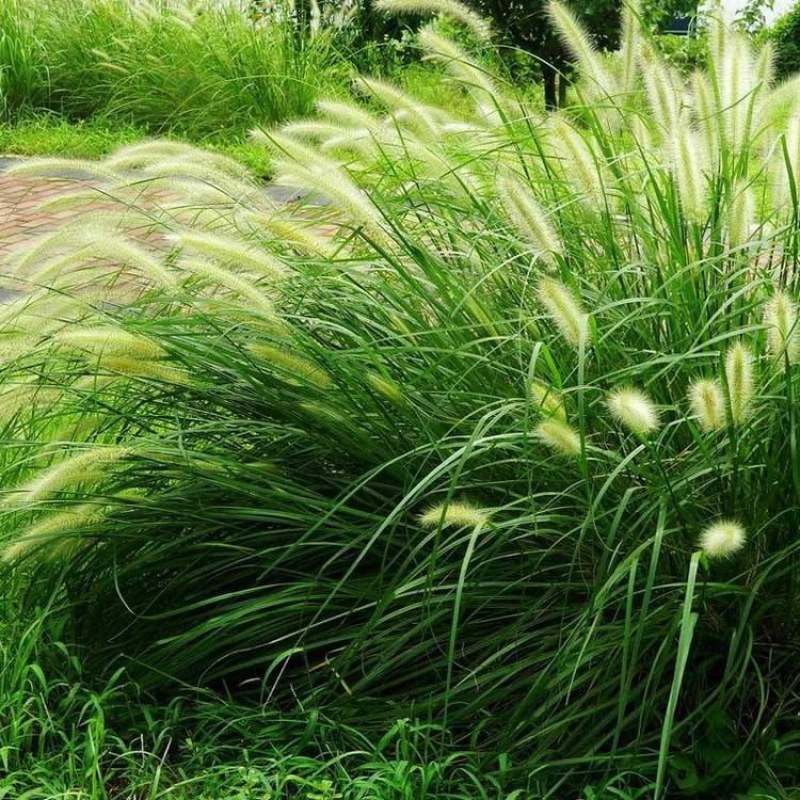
point(780, 319)
point(738, 88)
point(47, 167)
point(722, 539)
point(386, 387)
point(419, 116)
point(53, 528)
point(565, 311)
point(142, 368)
point(108, 340)
point(580, 164)
point(87, 464)
point(631, 44)
point(687, 166)
point(741, 215)
point(529, 218)
point(661, 85)
point(578, 41)
point(234, 283)
point(349, 114)
point(634, 410)
point(548, 400)
point(454, 514)
point(231, 251)
point(707, 404)
point(457, 62)
point(449, 8)
point(292, 234)
point(739, 377)
point(289, 363)
point(707, 116)
point(559, 436)
point(304, 167)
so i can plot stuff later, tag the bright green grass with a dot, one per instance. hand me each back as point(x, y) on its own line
point(52, 135)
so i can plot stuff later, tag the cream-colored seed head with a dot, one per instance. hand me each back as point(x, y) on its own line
point(780, 320)
point(634, 410)
point(559, 436)
point(722, 539)
point(455, 514)
point(565, 311)
point(739, 376)
point(708, 404)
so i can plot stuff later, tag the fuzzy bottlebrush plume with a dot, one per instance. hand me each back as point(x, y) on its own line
point(631, 45)
point(661, 85)
point(529, 218)
point(741, 215)
point(231, 251)
point(236, 284)
point(387, 388)
point(559, 436)
point(304, 167)
point(739, 378)
point(578, 41)
point(688, 164)
point(708, 404)
point(294, 366)
point(86, 465)
point(54, 529)
point(634, 410)
point(108, 340)
point(142, 369)
point(722, 539)
point(449, 8)
point(565, 311)
point(349, 115)
point(458, 63)
point(454, 514)
point(707, 118)
point(548, 401)
point(417, 115)
point(780, 320)
point(581, 165)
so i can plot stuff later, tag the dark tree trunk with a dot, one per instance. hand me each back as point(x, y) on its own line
point(563, 82)
point(549, 76)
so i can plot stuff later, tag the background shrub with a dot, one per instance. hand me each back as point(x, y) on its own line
point(785, 36)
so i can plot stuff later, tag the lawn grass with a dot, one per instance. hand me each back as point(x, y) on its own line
point(52, 135)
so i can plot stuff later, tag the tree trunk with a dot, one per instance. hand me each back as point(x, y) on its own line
point(563, 83)
point(549, 76)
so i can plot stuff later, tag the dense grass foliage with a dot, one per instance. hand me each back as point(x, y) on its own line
point(514, 451)
point(197, 68)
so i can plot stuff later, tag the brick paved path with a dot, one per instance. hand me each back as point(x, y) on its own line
point(20, 217)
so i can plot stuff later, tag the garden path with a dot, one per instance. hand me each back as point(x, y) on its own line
point(21, 197)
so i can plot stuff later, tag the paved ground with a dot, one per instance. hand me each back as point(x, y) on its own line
point(21, 219)
point(20, 198)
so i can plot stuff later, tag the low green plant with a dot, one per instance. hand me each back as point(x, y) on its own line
point(196, 68)
point(785, 37)
point(54, 136)
point(510, 445)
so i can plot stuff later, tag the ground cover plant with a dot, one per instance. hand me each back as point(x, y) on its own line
point(198, 68)
point(512, 452)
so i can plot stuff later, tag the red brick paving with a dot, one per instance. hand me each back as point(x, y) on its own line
point(22, 219)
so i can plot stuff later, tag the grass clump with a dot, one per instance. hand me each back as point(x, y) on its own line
point(512, 450)
point(197, 68)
